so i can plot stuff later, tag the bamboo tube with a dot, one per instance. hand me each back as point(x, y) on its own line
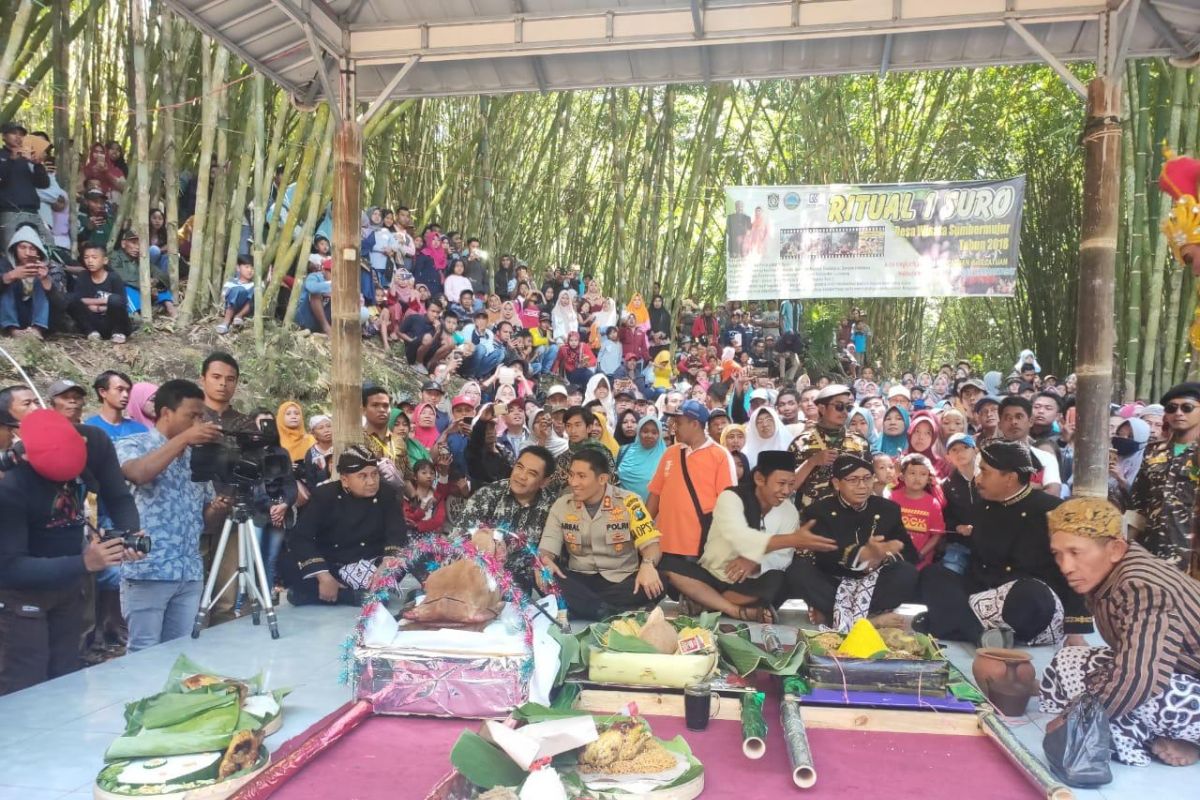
point(754, 727)
point(804, 775)
point(1033, 769)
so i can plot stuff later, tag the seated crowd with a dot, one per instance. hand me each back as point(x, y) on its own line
point(622, 455)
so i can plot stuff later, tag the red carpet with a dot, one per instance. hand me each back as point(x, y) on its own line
point(401, 758)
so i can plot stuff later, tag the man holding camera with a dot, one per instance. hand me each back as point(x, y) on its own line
point(160, 594)
point(21, 175)
point(44, 554)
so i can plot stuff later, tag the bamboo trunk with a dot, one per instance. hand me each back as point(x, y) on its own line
point(1097, 266)
point(258, 210)
point(347, 328)
point(16, 38)
point(213, 76)
point(141, 222)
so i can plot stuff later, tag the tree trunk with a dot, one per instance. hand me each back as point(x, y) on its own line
point(1097, 264)
point(141, 221)
point(16, 38)
point(347, 328)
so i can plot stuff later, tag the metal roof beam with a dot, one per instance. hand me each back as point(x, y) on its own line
point(1051, 59)
point(316, 16)
point(698, 18)
point(387, 90)
point(1164, 29)
point(624, 29)
point(1117, 54)
point(886, 61)
point(318, 56)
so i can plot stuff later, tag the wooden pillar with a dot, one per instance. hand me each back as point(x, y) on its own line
point(346, 352)
point(1097, 276)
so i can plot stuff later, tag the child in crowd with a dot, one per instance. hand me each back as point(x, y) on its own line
point(610, 351)
point(238, 295)
point(98, 303)
point(425, 505)
point(920, 500)
point(885, 474)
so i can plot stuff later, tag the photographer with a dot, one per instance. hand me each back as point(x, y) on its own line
point(160, 595)
point(343, 533)
point(44, 554)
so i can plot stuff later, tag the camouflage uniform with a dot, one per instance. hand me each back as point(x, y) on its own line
point(1164, 492)
point(562, 467)
point(817, 438)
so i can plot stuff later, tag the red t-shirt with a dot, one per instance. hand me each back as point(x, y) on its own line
point(922, 517)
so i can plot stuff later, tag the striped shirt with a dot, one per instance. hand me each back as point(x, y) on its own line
point(1149, 614)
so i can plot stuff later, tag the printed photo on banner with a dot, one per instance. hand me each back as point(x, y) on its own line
point(945, 239)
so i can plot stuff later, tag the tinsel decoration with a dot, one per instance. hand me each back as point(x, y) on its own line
point(436, 551)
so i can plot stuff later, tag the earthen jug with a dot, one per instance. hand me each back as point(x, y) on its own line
point(1006, 677)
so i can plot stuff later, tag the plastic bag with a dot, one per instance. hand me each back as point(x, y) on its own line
point(1079, 750)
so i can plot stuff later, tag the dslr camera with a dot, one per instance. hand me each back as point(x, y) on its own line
point(137, 542)
point(242, 459)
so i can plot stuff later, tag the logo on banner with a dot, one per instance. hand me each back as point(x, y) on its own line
point(772, 201)
point(791, 201)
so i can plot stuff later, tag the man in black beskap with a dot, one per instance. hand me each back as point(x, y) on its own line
point(43, 555)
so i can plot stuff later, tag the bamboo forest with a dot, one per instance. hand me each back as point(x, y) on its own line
point(627, 183)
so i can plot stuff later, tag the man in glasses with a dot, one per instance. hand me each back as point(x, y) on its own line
point(871, 570)
point(1164, 491)
point(818, 447)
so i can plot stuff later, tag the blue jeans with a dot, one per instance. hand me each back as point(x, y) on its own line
point(270, 542)
point(159, 258)
point(239, 297)
point(26, 311)
point(134, 295)
point(543, 359)
point(159, 611)
point(956, 557)
point(483, 364)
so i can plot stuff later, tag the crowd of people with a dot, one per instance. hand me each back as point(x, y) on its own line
point(623, 454)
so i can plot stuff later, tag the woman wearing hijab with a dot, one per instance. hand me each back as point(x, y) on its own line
point(407, 449)
point(765, 431)
point(601, 433)
point(575, 360)
point(289, 421)
point(486, 463)
point(894, 438)
point(862, 422)
point(733, 439)
point(1129, 447)
point(424, 427)
point(639, 460)
point(141, 403)
point(564, 319)
point(1027, 357)
point(318, 461)
point(637, 307)
point(541, 430)
point(924, 438)
point(607, 316)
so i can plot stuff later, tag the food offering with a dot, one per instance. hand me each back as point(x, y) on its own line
point(200, 738)
point(648, 650)
point(553, 754)
point(869, 660)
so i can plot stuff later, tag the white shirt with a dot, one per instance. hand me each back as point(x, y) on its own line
point(1050, 474)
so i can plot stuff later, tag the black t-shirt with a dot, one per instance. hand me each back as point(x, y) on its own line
point(416, 326)
point(87, 288)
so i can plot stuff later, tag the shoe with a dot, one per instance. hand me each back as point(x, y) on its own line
point(118, 338)
point(1001, 638)
point(222, 329)
point(94, 336)
point(238, 322)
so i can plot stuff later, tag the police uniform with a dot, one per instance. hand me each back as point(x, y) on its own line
point(602, 551)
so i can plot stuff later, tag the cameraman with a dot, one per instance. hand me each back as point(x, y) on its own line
point(44, 554)
point(161, 594)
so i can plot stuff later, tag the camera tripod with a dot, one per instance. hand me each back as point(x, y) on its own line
point(251, 576)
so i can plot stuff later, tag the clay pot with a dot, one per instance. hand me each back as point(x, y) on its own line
point(1006, 677)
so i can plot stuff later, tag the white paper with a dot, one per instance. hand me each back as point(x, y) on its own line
point(545, 784)
point(636, 783)
point(380, 628)
point(531, 743)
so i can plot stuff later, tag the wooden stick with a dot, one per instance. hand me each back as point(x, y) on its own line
point(1032, 768)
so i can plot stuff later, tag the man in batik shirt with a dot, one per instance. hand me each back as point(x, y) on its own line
point(818, 447)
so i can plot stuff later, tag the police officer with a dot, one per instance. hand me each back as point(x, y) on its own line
point(44, 553)
point(612, 544)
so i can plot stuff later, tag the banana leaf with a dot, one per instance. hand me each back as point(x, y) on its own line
point(484, 764)
point(745, 657)
point(165, 710)
point(568, 653)
point(677, 745)
point(184, 667)
point(210, 729)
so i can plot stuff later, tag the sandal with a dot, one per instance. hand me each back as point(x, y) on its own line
point(757, 614)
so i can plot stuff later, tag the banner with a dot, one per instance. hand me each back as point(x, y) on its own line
point(948, 239)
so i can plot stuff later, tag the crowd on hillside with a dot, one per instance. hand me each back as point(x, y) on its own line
point(620, 453)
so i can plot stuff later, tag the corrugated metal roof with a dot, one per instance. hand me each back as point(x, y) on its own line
point(500, 46)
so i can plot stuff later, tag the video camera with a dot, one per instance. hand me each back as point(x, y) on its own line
point(242, 459)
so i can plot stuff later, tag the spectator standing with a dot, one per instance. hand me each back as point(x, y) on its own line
point(161, 594)
point(21, 176)
point(113, 391)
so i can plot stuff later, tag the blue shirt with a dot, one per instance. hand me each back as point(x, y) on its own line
point(128, 427)
point(172, 511)
point(314, 283)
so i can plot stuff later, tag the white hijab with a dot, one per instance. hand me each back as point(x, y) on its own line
point(564, 318)
point(609, 404)
point(755, 443)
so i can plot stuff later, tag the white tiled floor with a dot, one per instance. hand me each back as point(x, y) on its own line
point(53, 737)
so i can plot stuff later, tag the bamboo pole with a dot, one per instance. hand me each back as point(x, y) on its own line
point(346, 383)
point(141, 222)
point(1097, 266)
point(16, 38)
point(259, 209)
